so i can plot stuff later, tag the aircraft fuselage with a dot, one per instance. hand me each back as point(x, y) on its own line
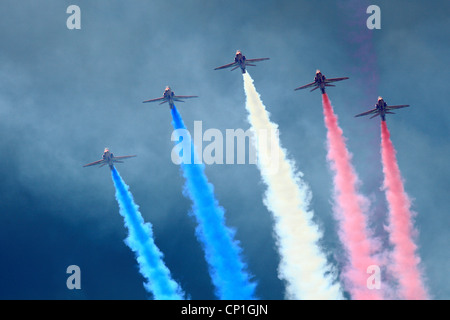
point(240, 59)
point(381, 106)
point(168, 95)
point(320, 80)
point(108, 157)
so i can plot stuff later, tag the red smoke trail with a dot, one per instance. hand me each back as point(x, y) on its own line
point(349, 210)
point(405, 260)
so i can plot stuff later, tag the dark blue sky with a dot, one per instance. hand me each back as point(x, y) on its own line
point(65, 95)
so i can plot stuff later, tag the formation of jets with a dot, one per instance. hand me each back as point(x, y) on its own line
point(381, 108)
point(320, 81)
point(169, 96)
point(109, 159)
point(241, 62)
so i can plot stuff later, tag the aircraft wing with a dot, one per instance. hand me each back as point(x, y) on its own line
point(227, 66)
point(367, 112)
point(94, 163)
point(256, 60)
point(335, 79)
point(306, 86)
point(185, 97)
point(154, 100)
point(397, 107)
point(124, 157)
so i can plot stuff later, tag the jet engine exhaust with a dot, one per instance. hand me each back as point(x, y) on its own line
point(303, 265)
point(140, 240)
point(405, 261)
point(349, 209)
point(222, 253)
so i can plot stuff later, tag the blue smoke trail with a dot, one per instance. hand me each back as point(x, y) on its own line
point(140, 240)
point(222, 253)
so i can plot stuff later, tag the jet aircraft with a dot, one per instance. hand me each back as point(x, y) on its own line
point(241, 62)
point(381, 108)
point(108, 158)
point(320, 81)
point(169, 97)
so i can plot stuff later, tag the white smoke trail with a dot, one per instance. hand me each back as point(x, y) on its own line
point(303, 265)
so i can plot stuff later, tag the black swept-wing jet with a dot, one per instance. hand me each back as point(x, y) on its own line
point(240, 61)
point(109, 159)
point(169, 97)
point(320, 81)
point(381, 109)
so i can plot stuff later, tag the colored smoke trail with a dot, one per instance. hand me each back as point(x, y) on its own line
point(359, 45)
point(349, 210)
point(303, 265)
point(140, 240)
point(223, 254)
point(404, 259)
